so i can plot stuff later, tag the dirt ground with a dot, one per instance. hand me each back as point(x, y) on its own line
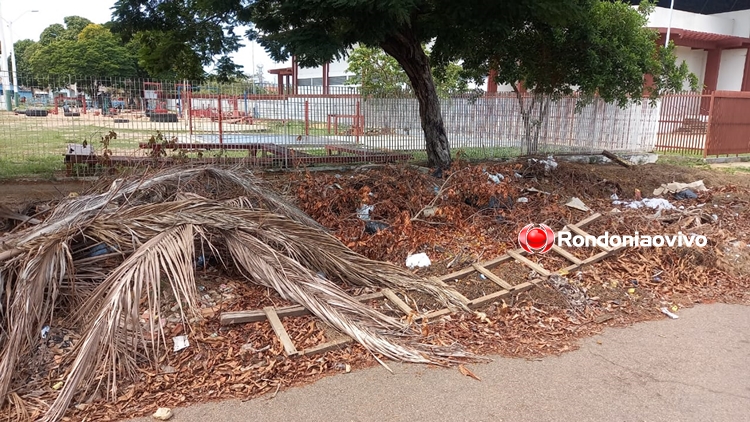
point(464, 227)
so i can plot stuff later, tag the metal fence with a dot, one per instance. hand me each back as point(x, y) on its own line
point(55, 116)
point(729, 124)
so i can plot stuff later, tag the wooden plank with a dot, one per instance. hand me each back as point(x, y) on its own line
point(487, 264)
point(480, 301)
point(567, 255)
point(400, 304)
point(492, 277)
point(240, 317)
point(280, 331)
point(527, 262)
point(616, 159)
point(577, 230)
point(455, 292)
point(594, 258)
point(435, 314)
point(329, 345)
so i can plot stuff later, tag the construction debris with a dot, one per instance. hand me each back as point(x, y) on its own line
point(675, 187)
point(576, 203)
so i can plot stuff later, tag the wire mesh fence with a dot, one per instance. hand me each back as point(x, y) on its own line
point(131, 120)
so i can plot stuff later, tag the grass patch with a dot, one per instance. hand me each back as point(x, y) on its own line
point(683, 160)
point(38, 167)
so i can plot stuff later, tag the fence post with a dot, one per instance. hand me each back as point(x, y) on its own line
point(221, 128)
point(356, 124)
point(307, 118)
point(189, 108)
point(708, 129)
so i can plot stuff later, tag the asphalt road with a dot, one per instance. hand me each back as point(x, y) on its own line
point(696, 368)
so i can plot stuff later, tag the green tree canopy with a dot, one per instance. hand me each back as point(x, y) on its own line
point(91, 50)
point(380, 75)
point(179, 38)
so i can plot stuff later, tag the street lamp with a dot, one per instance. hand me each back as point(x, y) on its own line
point(669, 25)
point(13, 54)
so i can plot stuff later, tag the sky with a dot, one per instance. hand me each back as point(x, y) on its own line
point(28, 25)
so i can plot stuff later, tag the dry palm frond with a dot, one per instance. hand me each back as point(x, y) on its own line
point(149, 229)
point(116, 317)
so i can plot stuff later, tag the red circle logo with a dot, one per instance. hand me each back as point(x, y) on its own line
point(536, 238)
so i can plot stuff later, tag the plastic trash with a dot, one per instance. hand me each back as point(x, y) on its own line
point(45, 331)
point(419, 260)
point(668, 313)
point(522, 199)
point(496, 178)
point(372, 227)
point(685, 194)
point(100, 249)
point(180, 342)
point(363, 212)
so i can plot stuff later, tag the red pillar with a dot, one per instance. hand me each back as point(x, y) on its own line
point(281, 84)
point(325, 79)
point(712, 69)
point(746, 75)
point(492, 82)
point(711, 78)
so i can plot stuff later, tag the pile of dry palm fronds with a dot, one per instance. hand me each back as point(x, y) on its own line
point(100, 260)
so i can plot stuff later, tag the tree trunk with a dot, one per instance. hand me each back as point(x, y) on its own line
point(408, 52)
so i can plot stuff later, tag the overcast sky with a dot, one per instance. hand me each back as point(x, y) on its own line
point(30, 25)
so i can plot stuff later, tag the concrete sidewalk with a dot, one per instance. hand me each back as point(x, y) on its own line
point(696, 368)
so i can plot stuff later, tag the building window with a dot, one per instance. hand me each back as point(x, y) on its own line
point(304, 82)
point(337, 80)
point(317, 81)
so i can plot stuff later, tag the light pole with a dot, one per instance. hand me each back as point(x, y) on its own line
point(669, 25)
point(4, 67)
point(16, 96)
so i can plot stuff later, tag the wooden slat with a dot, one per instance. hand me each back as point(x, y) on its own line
point(240, 317)
point(455, 292)
point(480, 301)
point(567, 255)
point(400, 304)
point(577, 230)
point(280, 331)
point(527, 262)
point(492, 277)
point(435, 314)
point(487, 264)
point(329, 345)
point(594, 258)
